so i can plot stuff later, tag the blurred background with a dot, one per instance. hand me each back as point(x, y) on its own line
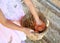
point(51, 9)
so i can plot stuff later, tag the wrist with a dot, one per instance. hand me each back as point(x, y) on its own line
point(25, 31)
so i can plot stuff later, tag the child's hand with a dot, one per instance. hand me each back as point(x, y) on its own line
point(30, 35)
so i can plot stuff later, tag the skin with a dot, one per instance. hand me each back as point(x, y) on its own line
point(33, 11)
point(13, 26)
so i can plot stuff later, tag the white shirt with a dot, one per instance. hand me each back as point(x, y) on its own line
point(12, 10)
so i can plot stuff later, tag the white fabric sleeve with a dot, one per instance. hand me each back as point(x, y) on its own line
point(0, 3)
point(12, 9)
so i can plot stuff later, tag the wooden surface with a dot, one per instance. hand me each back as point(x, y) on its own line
point(52, 5)
point(56, 2)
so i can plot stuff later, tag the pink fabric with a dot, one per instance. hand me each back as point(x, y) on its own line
point(13, 36)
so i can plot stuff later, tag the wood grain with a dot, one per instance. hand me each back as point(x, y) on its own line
point(56, 2)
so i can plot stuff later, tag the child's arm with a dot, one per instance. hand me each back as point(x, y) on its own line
point(13, 26)
point(7, 23)
point(40, 25)
point(33, 11)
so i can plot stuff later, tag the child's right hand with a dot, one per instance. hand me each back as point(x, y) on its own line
point(30, 35)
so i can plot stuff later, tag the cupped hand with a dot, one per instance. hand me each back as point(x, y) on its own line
point(30, 34)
